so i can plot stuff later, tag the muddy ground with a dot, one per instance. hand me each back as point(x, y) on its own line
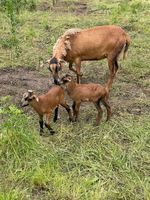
point(124, 97)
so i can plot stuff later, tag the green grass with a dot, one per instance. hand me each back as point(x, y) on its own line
point(81, 161)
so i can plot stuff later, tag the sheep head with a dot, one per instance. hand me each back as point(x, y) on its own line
point(66, 79)
point(28, 97)
point(55, 65)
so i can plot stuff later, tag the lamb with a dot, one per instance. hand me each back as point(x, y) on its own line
point(77, 45)
point(45, 104)
point(91, 92)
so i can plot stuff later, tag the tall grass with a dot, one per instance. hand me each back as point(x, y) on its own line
point(106, 162)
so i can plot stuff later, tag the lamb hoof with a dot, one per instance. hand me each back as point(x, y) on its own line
point(55, 119)
point(41, 133)
point(71, 119)
point(107, 120)
point(96, 124)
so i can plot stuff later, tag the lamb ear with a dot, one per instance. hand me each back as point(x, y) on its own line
point(37, 99)
point(68, 75)
point(25, 95)
point(69, 78)
point(30, 92)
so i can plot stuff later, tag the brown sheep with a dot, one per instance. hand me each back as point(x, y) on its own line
point(45, 104)
point(91, 92)
point(97, 43)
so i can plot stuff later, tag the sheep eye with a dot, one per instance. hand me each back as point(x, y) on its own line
point(25, 98)
point(58, 68)
point(65, 80)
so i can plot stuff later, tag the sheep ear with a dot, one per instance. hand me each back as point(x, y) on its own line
point(41, 63)
point(47, 62)
point(61, 61)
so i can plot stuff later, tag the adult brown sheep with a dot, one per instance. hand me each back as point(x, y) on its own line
point(97, 43)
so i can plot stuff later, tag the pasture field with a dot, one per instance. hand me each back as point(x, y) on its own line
point(81, 161)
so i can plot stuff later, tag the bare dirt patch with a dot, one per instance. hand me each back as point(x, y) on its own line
point(14, 82)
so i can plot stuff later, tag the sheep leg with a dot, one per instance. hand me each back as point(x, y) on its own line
point(100, 112)
point(120, 47)
point(74, 70)
point(113, 59)
point(73, 108)
point(66, 106)
point(116, 66)
point(41, 125)
point(71, 68)
point(55, 115)
point(108, 108)
point(47, 124)
point(78, 69)
point(111, 64)
point(76, 107)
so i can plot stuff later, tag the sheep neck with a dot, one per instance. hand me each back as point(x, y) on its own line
point(58, 56)
point(59, 50)
point(35, 105)
point(70, 87)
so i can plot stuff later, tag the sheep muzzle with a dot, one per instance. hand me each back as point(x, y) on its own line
point(67, 78)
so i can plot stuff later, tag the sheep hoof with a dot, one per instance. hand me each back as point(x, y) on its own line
point(41, 132)
point(71, 119)
point(52, 132)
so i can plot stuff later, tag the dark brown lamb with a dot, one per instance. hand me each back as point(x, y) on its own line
point(45, 104)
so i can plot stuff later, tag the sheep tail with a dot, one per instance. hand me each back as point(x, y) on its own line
point(128, 41)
